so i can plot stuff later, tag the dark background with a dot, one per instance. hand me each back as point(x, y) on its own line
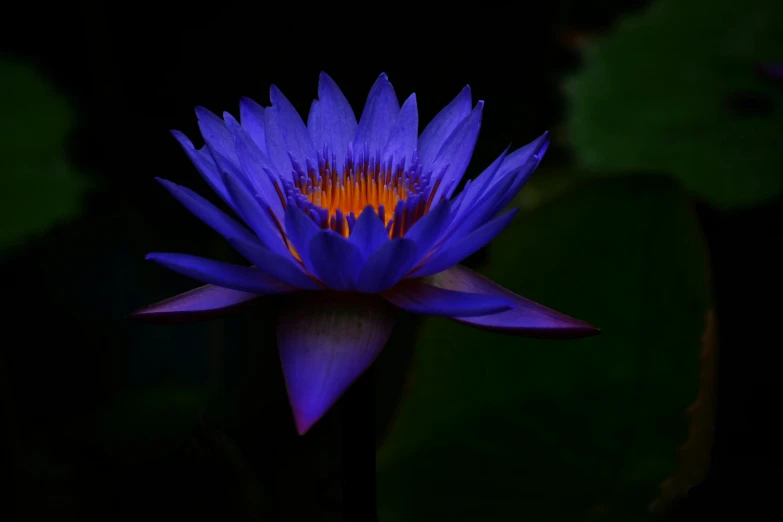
point(108, 420)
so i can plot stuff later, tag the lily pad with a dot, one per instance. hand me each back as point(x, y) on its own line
point(677, 89)
point(39, 187)
point(495, 427)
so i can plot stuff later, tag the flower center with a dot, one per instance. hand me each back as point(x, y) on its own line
point(398, 192)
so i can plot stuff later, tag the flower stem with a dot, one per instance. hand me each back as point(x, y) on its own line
point(358, 450)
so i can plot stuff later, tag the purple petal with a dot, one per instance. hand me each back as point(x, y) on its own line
point(251, 114)
point(519, 158)
point(527, 318)
point(285, 132)
point(455, 252)
point(205, 166)
point(326, 342)
point(415, 295)
point(226, 275)
point(403, 136)
point(220, 142)
point(465, 201)
point(332, 120)
point(426, 231)
point(256, 216)
point(300, 230)
point(386, 266)
point(380, 113)
point(441, 127)
point(368, 233)
point(457, 151)
point(336, 261)
point(200, 304)
point(207, 212)
point(283, 268)
point(256, 167)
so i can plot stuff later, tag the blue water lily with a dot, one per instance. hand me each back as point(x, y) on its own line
point(354, 219)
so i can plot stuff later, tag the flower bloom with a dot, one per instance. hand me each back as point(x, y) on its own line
point(355, 219)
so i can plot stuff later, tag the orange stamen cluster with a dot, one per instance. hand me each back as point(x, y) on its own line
point(399, 196)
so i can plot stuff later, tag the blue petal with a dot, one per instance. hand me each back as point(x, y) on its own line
point(420, 298)
point(440, 128)
point(256, 167)
point(256, 216)
point(251, 114)
point(456, 252)
point(426, 231)
point(285, 132)
point(200, 304)
point(283, 268)
point(457, 151)
point(479, 186)
point(378, 117)
point(332, 120)
point(300, 230)
point(526, 318)
point(222, 274)
point(205, 165)
point(207, 212)
point(403, 137)
point(386, 266)
point(521, 156)
point(369, 233)
point(493, 201)
point(326, 341)
point(336, 261)
point(219, 141)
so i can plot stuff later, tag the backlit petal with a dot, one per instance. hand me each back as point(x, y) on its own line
point(200, 304)
point(440, 128)
point(419, 297)
point(226, 275)
point(526, 318)
point(326, 341)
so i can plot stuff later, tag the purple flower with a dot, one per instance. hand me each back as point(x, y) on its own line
point(355, 219)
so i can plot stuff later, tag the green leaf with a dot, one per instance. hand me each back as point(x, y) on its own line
point(675, 89)
point(495, 427)
point(39, 188)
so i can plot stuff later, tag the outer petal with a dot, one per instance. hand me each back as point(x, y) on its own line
point(251, 114)
point(404, 135)
point(527, 318)
point(283, 268)
point(285, 132)
point(519, 157)
point(453, 253)
point(457, 151)
point(440, 128)
point(326, 342)
point(380, 113)
point(336, 261)
point(300, 230)
point(207, 212)
point(332, 120)
point(419, 297)
point(256, 216)
point(219, 141)
point(200, 304)
point(205, 166)
point(386, 266)
point(257, 169)
point(222, 274)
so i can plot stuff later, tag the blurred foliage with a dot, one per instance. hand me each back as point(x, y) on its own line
point(38, 187)
point(561, 430)
point(676, 89)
